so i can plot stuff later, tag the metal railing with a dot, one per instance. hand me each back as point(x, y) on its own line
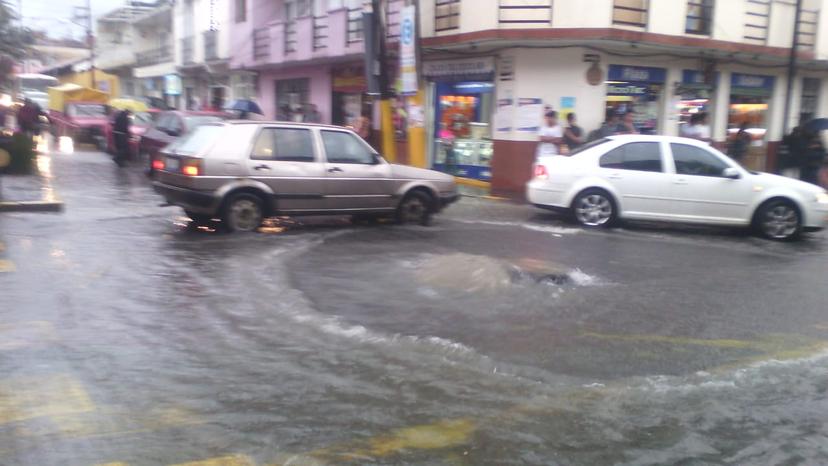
point(187, 50)
point(354, 30)
point(808, 25)
point(630, 13)
point(290, 36)
point(154, 56)
point(320, 32)
point(261, 43)
point(757, 22)
point(446, 15)
point(518, 12)
point(211, 45)
point(392, 19)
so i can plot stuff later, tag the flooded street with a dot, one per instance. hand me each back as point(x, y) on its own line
point(500, 335)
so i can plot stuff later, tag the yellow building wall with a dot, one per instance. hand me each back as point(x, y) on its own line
point(106, 82)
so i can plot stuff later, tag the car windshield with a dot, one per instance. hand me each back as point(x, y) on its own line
point(197, 120)
point(588, 146)
point(87, 110)
point(196, 140)
point(142, 118)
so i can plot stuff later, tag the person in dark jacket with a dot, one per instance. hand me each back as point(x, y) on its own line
point(121, 131)
point(28, 117)
point(814, 155)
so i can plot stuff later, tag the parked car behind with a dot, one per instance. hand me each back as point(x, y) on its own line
point(245, 171)
point(168, 127)
point(675, 180)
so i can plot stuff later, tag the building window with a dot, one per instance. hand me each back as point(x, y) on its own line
point(699, 17)
point(518, 14)
point(446, 15)
point(808, 24)
point(810, 96)
point(757, 21)
point(241, 11)
point(630, 13)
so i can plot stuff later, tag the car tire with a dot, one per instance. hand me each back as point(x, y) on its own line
point(778, 220)
point(415, 207)
point(595, 208)
point(243, 213)
point(199, 219)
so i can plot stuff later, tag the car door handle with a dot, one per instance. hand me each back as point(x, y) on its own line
point(261, 167)
point(335, 170)
point(615, 176)
point(680, 181)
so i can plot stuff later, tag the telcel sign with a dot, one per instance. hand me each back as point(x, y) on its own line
point(408, 50)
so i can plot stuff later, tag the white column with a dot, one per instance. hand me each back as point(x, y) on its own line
point(669, 112)
point(822, 102)
point(721, 107)
point(776, 109)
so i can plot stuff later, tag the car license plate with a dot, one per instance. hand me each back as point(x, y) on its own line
point(172, 164)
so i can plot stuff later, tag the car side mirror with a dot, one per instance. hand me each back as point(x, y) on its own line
point(731, 173)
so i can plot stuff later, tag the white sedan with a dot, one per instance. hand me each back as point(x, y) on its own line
point(673, 179)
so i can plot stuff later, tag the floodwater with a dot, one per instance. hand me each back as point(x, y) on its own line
point(129, 336)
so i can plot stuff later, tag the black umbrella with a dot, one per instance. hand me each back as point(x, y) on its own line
point(244, 106)
point(816, 125)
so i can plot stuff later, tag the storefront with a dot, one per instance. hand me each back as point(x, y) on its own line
point(695, 95)
point(639, 90)
point(460, 141)
point(348, 94)
point(749, 99)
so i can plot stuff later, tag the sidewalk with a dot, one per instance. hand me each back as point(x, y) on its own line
point(30, 193)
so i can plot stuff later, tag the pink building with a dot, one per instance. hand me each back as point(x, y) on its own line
point(304, 52)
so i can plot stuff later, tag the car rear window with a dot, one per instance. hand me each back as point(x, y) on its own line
point(197, 140)
point(588, 146)
point(193, 121)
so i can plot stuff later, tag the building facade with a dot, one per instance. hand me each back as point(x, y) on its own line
point(491, 68)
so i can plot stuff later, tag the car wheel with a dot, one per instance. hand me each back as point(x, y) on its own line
point(243, 212)
point(594, 208)
point(779, 220)
point(415, 208)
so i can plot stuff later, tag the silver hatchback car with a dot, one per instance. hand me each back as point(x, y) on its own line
point(245, 171)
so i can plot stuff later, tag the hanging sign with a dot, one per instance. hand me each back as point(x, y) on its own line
point(408, 50)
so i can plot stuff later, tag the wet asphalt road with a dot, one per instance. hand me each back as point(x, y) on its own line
point(129, 337)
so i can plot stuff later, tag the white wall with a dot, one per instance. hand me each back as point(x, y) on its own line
point(668, 16)
point(582, 13)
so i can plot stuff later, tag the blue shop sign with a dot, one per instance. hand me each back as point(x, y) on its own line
point(638, 74)
point(696, 78)
point(751, 84)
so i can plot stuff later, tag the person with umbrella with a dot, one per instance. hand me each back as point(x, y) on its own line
point(244, 108)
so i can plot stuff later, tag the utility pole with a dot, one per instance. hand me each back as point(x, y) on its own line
point(84, 13)
point(792, 68)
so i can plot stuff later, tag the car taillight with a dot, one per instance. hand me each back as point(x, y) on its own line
point(157, 164)
point(540, 172)
point(191, 167)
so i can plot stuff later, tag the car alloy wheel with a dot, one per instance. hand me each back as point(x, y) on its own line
point(414, 208)
point(594, 209)
point(780, 221)
point(244, 213)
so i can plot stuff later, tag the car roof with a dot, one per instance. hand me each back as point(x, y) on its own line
point(656, 138)
point(284, 123)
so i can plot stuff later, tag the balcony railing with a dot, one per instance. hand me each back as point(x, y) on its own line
point(155, 56)
point(522, 13)
point(211, 45)
point(187, 51)
point(320, 32)
point(392, 19)
point(354, 30)
point(261, 43)
point(808, 25)
point(290, 36)
point(446, 15)
point(757, 21)
point(632, 13)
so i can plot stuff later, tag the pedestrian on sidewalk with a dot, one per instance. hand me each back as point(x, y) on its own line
point(608, 128)
point(312, 114)
point(573, 134)
point(28, 117)
point(627, 125)
point(739, 143)
point(550, 137)
point(121, 131)
point(814, 157)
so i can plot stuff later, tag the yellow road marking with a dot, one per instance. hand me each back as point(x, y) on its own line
point(472, 182)
point(117, 421)
point(26, 334)
point(34, 397)
point(233, 460)
point(7, 266)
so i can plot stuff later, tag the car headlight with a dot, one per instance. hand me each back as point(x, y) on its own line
point(822, 197)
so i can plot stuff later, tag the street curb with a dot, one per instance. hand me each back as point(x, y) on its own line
point(31, 206)
point(487, 197)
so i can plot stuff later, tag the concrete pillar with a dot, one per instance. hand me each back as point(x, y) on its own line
point(721, 107)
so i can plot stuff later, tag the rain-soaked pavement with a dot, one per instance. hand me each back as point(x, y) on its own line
point(500, 335)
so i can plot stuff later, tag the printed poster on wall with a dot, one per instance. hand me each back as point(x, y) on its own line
point(529, 115)
point(567, 107)
point(505, 115)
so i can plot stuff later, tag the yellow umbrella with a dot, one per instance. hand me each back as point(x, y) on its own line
point(128, 104)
